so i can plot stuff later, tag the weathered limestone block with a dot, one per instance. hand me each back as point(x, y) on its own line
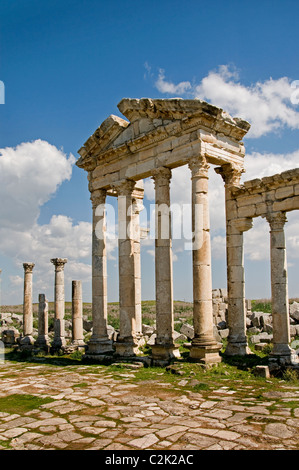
point(262, 337)
point(43, 338)
point(77, 315)
point(10, 337)
point(294, 311)
point(187, 330)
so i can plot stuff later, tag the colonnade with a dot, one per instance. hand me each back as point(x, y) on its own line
point(235, 228)
point(204, 347)
point(59, 340)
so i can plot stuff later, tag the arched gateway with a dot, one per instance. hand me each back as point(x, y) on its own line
point(160, 134)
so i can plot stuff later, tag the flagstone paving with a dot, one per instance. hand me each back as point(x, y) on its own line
point(99, 407)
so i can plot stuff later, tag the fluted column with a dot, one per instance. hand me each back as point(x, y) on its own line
point(77, 315)
point(43, 338)
point(59, 304)
point(27, 339)
point(99, 342)
point(164, 348)
point(129, 311)
point(236, 318)
point(204, 347)
point(279, 287)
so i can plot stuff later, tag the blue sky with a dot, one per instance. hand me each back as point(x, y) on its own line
point(66, 65)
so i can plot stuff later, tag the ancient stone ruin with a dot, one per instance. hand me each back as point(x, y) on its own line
point(160, 135)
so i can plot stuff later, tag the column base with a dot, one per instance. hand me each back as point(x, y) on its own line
point(127, 348)
point(79, 343)
point(205, 353)
point(237, 349)
point(98, 346)
point(42, 342)
point(162, 354)
point(283, 354)
point(27, 342)
point(58, 343)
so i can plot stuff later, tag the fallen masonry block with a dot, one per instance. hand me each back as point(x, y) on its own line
point(262, 371)
point(187, 330)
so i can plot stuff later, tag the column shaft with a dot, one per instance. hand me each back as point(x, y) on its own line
point(204, 347)
point(130, 311)
point(77, 314)
point(27, 339)
point(99, 342)
point(42, 339)
point(237, 339)
point(279, 286)
point(59, 304)
point(236, 317)
point(164, 348)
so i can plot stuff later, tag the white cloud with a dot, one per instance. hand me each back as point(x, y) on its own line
point(267, 105)
point(167, 87)
point(259, 164)
point(29, 175)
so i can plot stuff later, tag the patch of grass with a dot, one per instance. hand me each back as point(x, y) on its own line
point(290, 375)
point(21, 404)
point(113, 321)
point(81, 385)
point(201, 386)
point(5, 444)
point(77, 355)
point(261, 306)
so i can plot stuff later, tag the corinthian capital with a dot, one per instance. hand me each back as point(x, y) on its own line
point(124, 187)
point(98, 197)
point(28, 267)
point(59, 263)
point(231, 174)
point(161, 175)
point(199, 167)
point(276, 220)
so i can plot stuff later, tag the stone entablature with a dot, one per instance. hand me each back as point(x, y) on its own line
point(160, 133)
point(258, 197)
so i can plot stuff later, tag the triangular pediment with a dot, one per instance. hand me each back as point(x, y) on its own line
point(155, 118)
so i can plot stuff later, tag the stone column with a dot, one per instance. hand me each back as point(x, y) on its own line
point(77, 315)
point(236, 318)
point(99, 342)
point(279, 288)
point(127, 342)
point(137, 208)
point(237, 339)
point(59, 304)
point(42, 341)
point(164, 348)
point(27, 339)
point(204, 347)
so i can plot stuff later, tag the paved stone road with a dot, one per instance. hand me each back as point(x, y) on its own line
point(100, 408)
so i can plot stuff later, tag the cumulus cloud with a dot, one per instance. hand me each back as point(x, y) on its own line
point(267, 105)
point(29, 175)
